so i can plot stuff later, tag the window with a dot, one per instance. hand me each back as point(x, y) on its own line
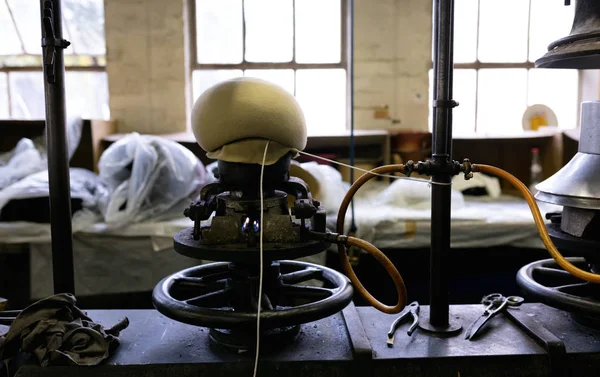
point(495, 46)
point(298, 45)
point(21, 78)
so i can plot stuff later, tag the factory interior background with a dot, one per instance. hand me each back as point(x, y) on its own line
point(135, 68)
point(138, 67)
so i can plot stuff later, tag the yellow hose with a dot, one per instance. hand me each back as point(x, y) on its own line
point(375, 252)
point(539, 222)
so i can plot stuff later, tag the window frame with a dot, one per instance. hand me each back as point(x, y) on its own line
point(477, 65)
point(99, 60)
point(29, 68)
point(344, 63)
point(98, 66)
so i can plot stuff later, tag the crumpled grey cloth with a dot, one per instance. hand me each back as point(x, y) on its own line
point(56, 332)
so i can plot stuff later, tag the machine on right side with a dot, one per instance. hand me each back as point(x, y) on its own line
point(576, 187)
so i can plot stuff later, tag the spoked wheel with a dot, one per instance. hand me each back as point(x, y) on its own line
point(224, 295)
point(547, 281)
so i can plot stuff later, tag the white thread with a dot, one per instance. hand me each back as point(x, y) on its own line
point(429, 181)
point(260, 269)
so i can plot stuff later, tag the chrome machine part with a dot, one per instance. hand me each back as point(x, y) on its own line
point(577, 184)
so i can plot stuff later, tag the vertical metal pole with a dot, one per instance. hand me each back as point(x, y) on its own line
point(350, 63)
point(443, 33)
point(56, 142)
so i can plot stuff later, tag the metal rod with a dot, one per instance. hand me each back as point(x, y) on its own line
point(56, 143)
point(350, 46)
point(443, 14)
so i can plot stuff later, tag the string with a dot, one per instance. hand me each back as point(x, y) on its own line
point(422, 180)
point(260, 274)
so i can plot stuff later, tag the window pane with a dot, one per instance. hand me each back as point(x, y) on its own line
point(202, 80)
point(27, 95)
point(4, 113)
point(10, 40)
point(557, 89)
point(322, 95)
point(219, 31)
point(550, 20)
point(503, 30)
point(502, 99)
point(269, 30)
point(318, 31)
point(465, 31)
point(465, 89)
point(27, 17)
point(84, 23)
point(282, 77)
point(87, 94)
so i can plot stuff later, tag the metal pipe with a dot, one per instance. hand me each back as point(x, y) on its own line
point(443, 14)
point(56, 143)
point(350, 32)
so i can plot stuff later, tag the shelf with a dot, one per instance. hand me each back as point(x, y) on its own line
point(572, 134)
point(516, 136)
point(373, 144)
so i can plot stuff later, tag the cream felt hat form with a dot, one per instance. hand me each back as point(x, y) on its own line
point(233, 120)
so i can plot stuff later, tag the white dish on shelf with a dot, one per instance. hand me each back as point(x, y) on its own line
point(537, 117)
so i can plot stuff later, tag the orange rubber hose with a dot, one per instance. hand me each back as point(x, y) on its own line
point(364, 245)
point(539, 222)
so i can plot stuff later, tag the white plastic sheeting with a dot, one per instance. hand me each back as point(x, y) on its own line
point(149, 178)
point(30, 156)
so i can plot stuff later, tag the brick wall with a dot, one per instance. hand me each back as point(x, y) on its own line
point(146, 63)
point(392, 55)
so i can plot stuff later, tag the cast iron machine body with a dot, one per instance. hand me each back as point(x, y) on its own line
point(224, 295)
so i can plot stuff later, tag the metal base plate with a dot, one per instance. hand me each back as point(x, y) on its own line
point(156, 346)
point(185, 244)
point(454, 326)
point(242, 340)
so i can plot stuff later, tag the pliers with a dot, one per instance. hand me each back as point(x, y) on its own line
point(412, 310)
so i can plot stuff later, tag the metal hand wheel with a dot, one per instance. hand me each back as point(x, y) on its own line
point(549, 283)
point(223, 295)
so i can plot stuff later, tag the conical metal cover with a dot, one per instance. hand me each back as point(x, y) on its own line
point(577, 184)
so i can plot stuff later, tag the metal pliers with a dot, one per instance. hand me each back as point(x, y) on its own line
point(410, 310)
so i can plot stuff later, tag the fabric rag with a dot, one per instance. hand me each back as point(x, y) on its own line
point(56, 332)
